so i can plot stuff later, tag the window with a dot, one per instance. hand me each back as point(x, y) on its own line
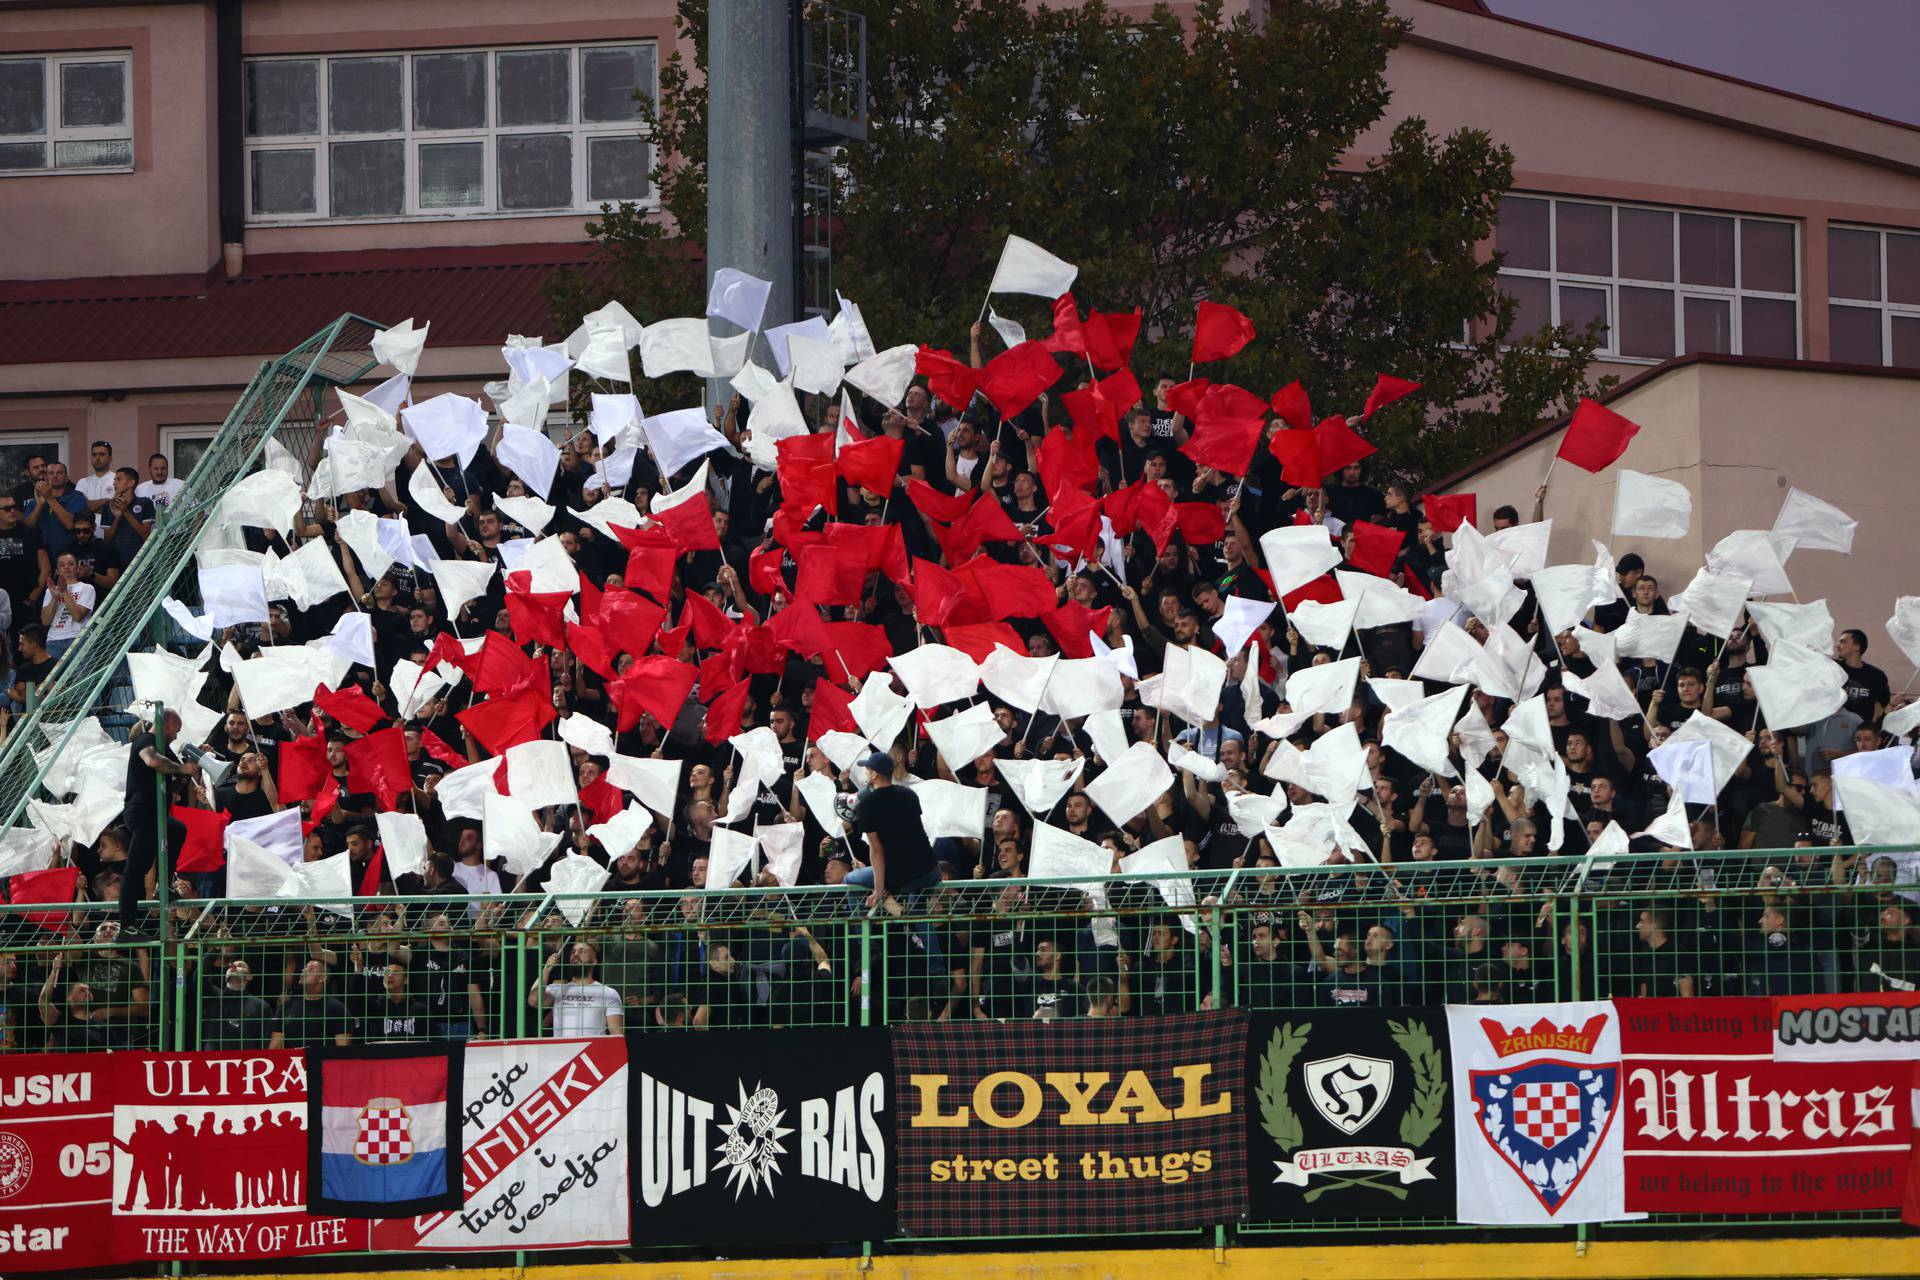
point(17, 446)
point(184, 446)
point(1873, 303)
point(66, 113)
point(450, 133)
point(1661, 282)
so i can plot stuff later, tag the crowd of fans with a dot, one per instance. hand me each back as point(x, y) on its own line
point(1377, 925)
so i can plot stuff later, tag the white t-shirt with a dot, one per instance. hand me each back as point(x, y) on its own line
point(159, 494)
point(94, 488)
point(582, 1008)
point(64, 626)
point(476, 877)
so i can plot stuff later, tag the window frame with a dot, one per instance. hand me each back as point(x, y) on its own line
point(1886, 309)
point(579, 133)
point(52, 441)
point(1613, 283)
point(56, 132)
point(173, 435)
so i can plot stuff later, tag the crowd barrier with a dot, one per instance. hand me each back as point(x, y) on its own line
point(1725, 1042)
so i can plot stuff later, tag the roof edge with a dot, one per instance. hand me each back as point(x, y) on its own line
point(1542, 432)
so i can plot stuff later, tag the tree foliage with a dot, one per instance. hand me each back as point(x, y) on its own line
point(1171, 161)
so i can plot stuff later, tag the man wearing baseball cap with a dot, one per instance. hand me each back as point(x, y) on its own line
point(899, 859)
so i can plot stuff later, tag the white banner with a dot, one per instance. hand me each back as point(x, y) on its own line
point(545, 1134)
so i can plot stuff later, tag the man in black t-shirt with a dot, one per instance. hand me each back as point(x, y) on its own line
point(24, 567)
point(900, 860)
point(309, 1016)
point(1867, 690)
point(232, 1017)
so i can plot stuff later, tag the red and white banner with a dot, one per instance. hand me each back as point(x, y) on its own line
point(56, 1160)
point(1725, 1113)
point(210, 1159)
point(545, 1133)
point(1879, 1026)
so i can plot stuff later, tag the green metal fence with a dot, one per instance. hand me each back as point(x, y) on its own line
point(227, 974)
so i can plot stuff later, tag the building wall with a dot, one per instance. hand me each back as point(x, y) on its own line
point(1738, 436)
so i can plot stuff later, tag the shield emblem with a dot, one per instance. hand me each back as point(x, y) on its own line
point(1547, 1120)
point(1349, 1090)
point(384, 1134)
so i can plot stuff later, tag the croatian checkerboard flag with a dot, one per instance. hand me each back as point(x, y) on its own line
point(384, 1129)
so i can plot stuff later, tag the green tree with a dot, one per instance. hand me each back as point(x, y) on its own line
point(1172, 162)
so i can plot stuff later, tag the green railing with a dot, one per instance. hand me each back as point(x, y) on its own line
point(1404, 935)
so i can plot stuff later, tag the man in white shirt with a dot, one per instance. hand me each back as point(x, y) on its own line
point(98, 487)
point(582, 1005)
point(160, 490)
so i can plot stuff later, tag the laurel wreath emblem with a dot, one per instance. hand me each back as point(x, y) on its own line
point(1276, 1117)
point(1429, 1081)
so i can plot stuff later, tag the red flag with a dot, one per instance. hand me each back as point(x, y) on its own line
point(1596, 437)
point(1299, 454)
point(951, 380)
point(871, 464)
point(831, 575)
point(854, 649)
point(1324, 589)
point(1010, 590)
point(1075, 518)
point(711, 628)
point(936, 593)
point(832, 710)
point(929, 501)
point(985, 521)
point(1225, 444)
point(378, 763)
point(602, 800)
point(1015, 378)
point(977, 639)
point(627, 619)
point(1121, 389)
point(1071, 622)
point(724, 712)
point(1067, 460)
point(757, 651)
point(1219, 331)
point(1154, 512)
point(499, 723)
point(1448, 511)
point(1201, 523)
point(1110, 337)
point(591, 647)
point(376, 872)
point(656, 686)
point(349, 706)
point(789, 530)
point(1290, 403)
point(651, 555)
point(763, 571)
point(882, 546)
point(799, 628)
point(434, 745)
point(205, 848)
point(539, 617)
point(304, 771)
point(1375, 547)
point(806, 474)
point(1411, 581)
point(55, 884)
point(1387, 389)
point(690, 524)
point(1068, 336)
point(1339, 446)
point(1092, 413)
point(1185, 398)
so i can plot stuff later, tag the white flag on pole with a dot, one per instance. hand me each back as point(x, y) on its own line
point(1647, 506)
point(1027, 268)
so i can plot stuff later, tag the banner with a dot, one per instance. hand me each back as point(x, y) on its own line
point(1352, 1116)
point(1741, 1105)
point(544, 1128)
point(748, 1143)
point(210, 1159)
point(1874, 1026)
point(56, 1161)
point(1536, 1089)
point(1082, 1127)
point(377, 1128)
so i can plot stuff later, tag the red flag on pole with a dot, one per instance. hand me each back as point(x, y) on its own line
point(205, 848)
point(832, 710)
point(349, 706)
point(1375, 547)
point(1219, 331)
point(1448, 511)
point(1291, 404)
point(1015, 378)
point(1339, 446)
point(1299, 454)
point(378, 763)
point(1387, 389)
point(724, 712)
point(1596, 437)
point(304, 772)
point(953, 381)
point(871, 464)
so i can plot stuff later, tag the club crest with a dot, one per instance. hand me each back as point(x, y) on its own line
point(1348, 1090)
point(1547, 1119)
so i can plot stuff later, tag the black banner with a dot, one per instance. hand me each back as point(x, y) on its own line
point(1350, 1115)
point(747, 1140)
point(1083, 1127)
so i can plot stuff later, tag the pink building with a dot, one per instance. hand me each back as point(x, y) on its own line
point(186, 188)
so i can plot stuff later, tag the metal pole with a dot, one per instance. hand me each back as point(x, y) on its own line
point(162, 888)
point(750, 143)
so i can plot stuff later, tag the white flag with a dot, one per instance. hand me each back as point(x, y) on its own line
point(1904, 627)
point(1524, 546)
point(1650, 635)
point(1192, 682)
point(1040, 784)
point(1647, 506)
point(1810, 626)
point(530, 455)
point(936, 674)
point(1130, 784)
point(575, 874)
point(403, 841)
point(1081, 687)
point(966, 735)
point(1011, 331)
point(849, 330)
point(879, 711)
point(676, 346)
point(1567, 591)
point(423, 487)
point(234, 594)
point(1798, 687)
point(1687, 767)
point(1752, 553)
point(1877, 813)
point(1421, 731)
point(1325, 626)
point(734, 295)
point(654, 783)
point(680, 436)
point(729, 858)
point(540, 773)
point(1381, 604)
point(950, 810)
point(400, 347)
point(816, 365)
point(264, 500)
point(1027, 268)
point(1606, 692)
point(1449, 656)
point(461, 582)
point(1712, 602)
point(887, 375)
point(1061, 855)
point(1241, 619)
point(1015, 678)
point(1814, 525)
point(1296, 555)
point(447, 426)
